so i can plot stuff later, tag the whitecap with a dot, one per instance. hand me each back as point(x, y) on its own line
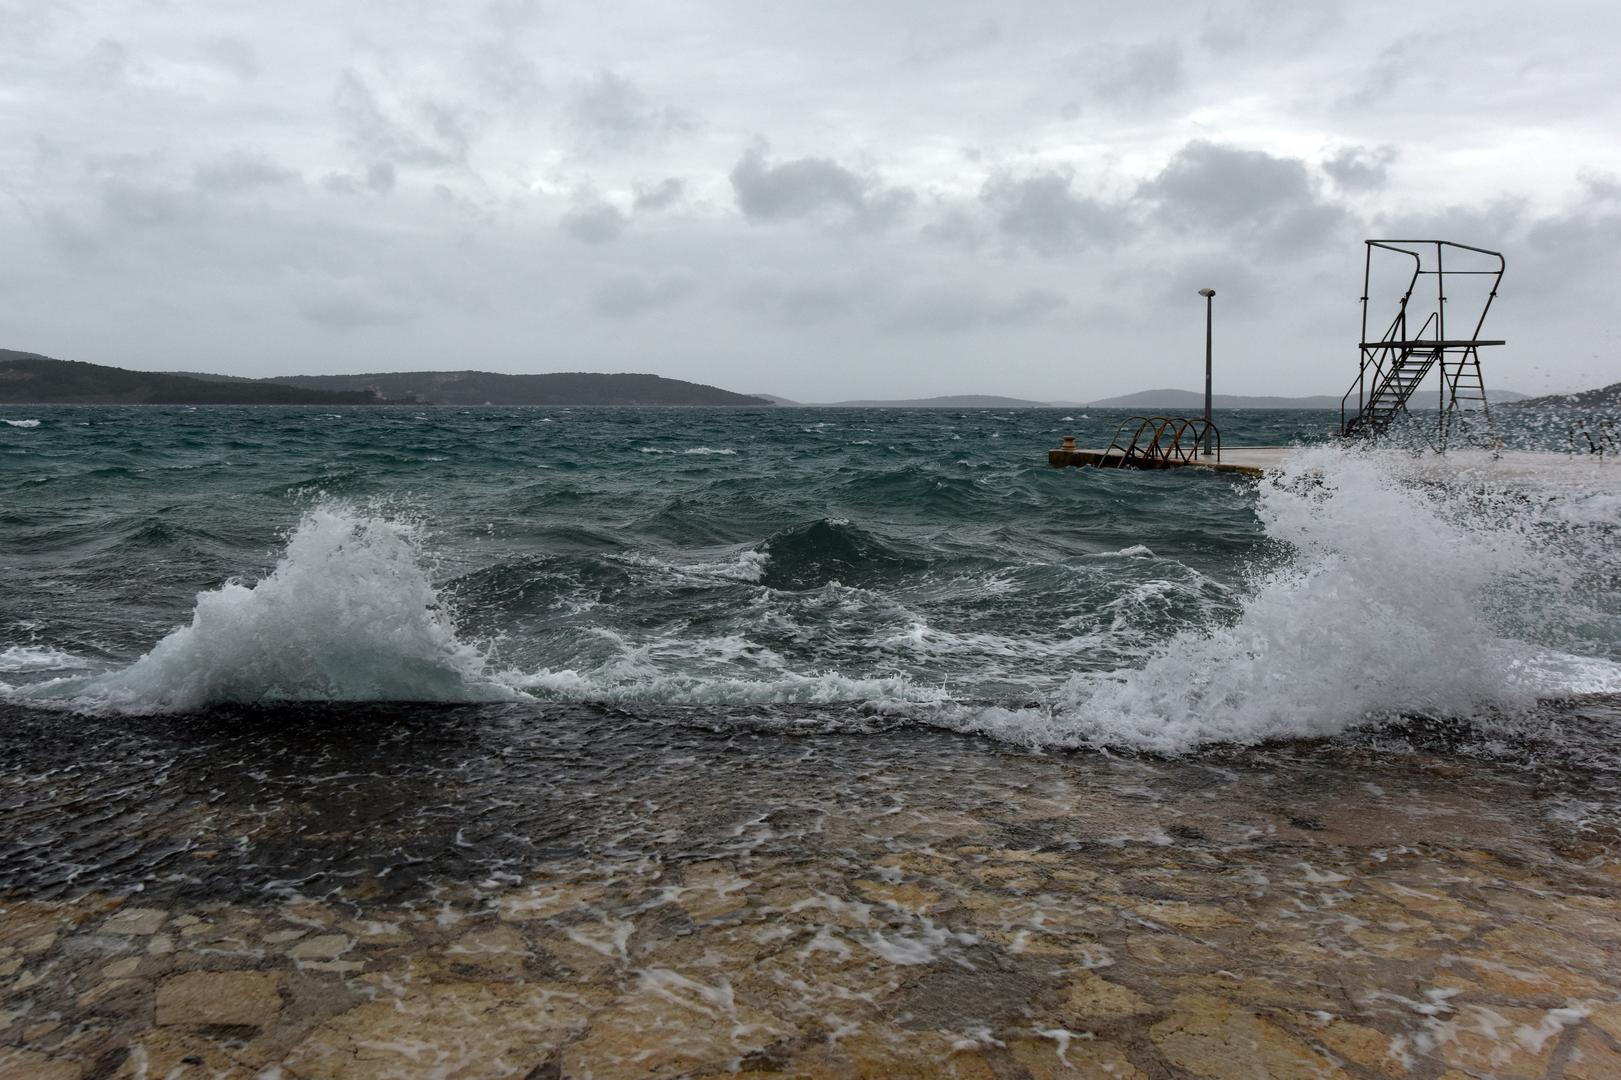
point(18, 658)
point(348, 614)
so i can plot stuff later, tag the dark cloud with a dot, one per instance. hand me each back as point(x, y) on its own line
point(439, 136)
point(1240, 290)
point(593, 222)
point(1602, 186)
point(937, 43)
point(501, 61)
point(950, 310)
point(233, 56)
point(1481, 225)
point(380, 177)
point(1397, 63)
point(107, 66)
point(1044, 213)
point(1135, 74)
point(665, 194)
point(1572, 252)
point(144, 206)
point(1281, 27)
point(69, 235)
point(957, 227)
point(811, 187)
point(352, 308)
point(630, 295)
point(240, 170)
point(805, 303)
point(505, 72)
point(613, 111)
point(1248, 195)
point(1359, 168)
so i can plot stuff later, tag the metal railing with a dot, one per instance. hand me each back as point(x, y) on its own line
point(1158, 442)
point(1461, 381)
point(1391, 348)
point(1606, 442)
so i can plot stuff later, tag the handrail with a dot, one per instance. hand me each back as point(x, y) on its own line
point(1451, 350)
point(1606, 437)
point(1156, 451)
point(1385, 346)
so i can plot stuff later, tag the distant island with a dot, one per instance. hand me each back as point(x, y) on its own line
point(1192, 401)
point(490, 388)
point(33, 379)
point(1179, 401)
point(1604, 397)
point(954, 401)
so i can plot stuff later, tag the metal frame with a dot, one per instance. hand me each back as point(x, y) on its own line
point(1391, 367)
point(1156, 452)
point(1606, 441)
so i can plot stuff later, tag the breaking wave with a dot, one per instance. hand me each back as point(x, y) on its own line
point(1393, 598)
point(1377, 596)
point(348, 614)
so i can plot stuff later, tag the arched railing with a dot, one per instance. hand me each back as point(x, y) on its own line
point(1158, 442)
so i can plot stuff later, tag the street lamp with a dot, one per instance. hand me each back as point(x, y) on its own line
point(1209, 296)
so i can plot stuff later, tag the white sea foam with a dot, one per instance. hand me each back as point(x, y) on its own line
point(20, 658)
point(1384, 597)
point(692, 451)
point(747, 565)
point(348, 614)
point(20, 423)
point(1385, 607)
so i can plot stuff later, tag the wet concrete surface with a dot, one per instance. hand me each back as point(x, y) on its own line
point(525, 892)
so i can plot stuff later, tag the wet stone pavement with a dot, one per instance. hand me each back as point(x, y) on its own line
point(505, 892)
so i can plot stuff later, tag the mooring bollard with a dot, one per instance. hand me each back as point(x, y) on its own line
point(1069, 442)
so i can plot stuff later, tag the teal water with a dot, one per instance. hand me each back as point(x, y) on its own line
point(427, 648)
point(924, 562)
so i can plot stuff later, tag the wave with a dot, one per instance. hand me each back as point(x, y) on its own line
point(827, 550)
point(31, 658)
point(20, 423)
point(347, 614)
point(695, 451)
point(1385, 608)
point(1376, 597)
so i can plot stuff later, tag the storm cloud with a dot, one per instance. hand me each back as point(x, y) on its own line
point(821, 201)
point(811, 187)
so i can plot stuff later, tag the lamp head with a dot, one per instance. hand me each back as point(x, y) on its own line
point(1207, 293)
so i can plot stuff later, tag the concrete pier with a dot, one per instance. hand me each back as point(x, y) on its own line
point(1544, 470)
point(1248, 460)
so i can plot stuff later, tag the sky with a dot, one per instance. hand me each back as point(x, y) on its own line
point(821, 200)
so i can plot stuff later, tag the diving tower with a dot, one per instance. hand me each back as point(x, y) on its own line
point(1393, 366)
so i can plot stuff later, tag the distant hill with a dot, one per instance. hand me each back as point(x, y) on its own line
point(32, 379)
point(490, 388)
point(1192, 401)
point(1605, 397)
point(957, 401)
point(29, 378)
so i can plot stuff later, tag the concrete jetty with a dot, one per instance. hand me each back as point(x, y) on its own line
point(1544, 470)
point(1248, 460)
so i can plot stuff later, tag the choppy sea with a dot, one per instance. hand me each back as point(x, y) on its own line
point(824, 742)
point(915, 574)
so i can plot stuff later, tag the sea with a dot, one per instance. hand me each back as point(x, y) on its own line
point(397, 663)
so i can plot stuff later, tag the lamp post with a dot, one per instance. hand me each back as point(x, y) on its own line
point(1209, 296)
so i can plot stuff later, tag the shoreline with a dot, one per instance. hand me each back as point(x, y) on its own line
point(471, 890)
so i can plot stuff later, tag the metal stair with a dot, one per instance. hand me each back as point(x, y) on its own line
point(1393, 367)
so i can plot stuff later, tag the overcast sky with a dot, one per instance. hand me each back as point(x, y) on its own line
point(820, 200)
